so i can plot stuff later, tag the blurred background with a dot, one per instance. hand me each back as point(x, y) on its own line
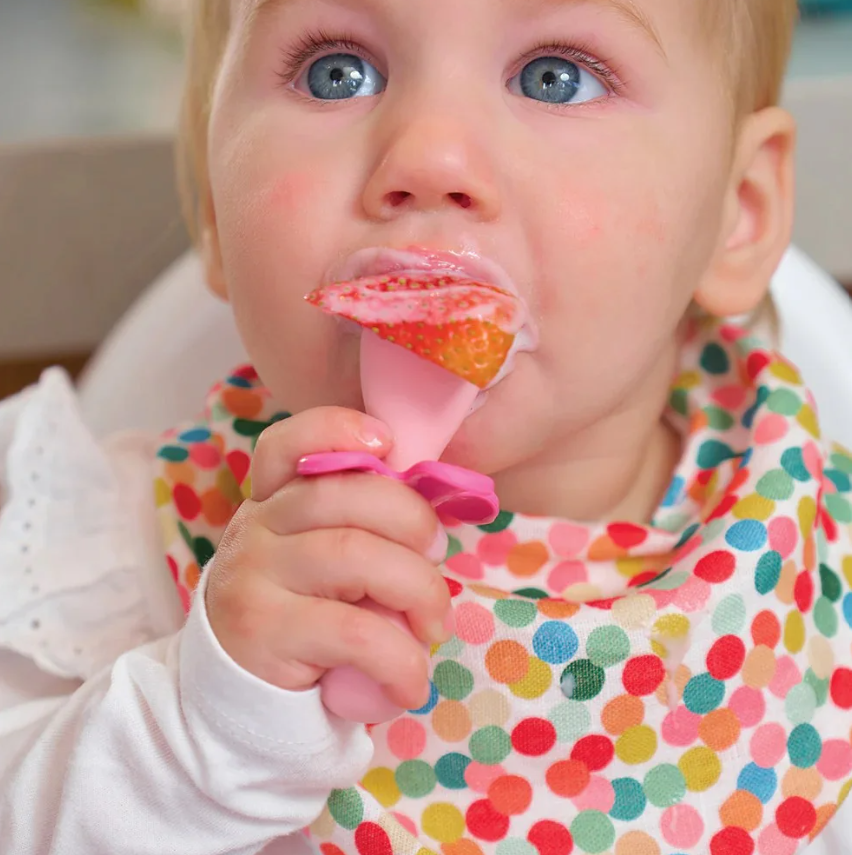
point(88, 67)
point(89, 93)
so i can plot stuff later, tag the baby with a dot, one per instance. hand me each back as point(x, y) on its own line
point(641, 655)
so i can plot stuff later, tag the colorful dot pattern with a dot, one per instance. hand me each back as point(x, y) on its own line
point(676, 688)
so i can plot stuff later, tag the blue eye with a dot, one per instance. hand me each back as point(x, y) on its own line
point(555, 80)
point(342, 76)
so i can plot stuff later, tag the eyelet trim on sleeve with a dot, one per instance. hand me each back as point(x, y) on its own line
point(70, 595)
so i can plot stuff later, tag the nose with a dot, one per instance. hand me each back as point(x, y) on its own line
point(430, 162)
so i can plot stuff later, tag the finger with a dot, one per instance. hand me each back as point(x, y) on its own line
point(359, 638)
point(381, 506)
point(351, 565)
point(280, 447)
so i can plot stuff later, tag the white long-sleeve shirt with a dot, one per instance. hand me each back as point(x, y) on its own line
point(122, 730)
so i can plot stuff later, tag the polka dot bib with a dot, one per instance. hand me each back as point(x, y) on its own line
point(676, 688)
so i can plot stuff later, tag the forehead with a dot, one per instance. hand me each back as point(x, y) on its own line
point(635, 12)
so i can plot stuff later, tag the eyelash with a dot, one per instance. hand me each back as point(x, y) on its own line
point(579, 54)
point(312, 45)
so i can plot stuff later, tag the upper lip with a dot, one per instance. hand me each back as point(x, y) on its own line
point(379, 261)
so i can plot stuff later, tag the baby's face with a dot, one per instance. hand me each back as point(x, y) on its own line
point(582, 146)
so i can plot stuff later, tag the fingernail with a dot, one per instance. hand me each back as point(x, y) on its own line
point(373, 433)
point(441, 633)
point(438, 550)
point(450, 623)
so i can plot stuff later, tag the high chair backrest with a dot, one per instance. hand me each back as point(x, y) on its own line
point(177, 340)
point(816, 335)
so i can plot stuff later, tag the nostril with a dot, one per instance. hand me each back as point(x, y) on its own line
point(461, 199)
point(396, 198)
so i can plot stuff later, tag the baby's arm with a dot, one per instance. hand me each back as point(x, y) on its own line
point(159, 742)
point(173, 749)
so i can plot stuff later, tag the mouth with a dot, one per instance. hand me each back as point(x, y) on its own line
point(381, 261)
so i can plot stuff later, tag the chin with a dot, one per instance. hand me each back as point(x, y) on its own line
point(503, 432)
point(479, 447)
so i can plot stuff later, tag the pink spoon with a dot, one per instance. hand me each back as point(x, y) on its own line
point(424, 404)
point(465, 495)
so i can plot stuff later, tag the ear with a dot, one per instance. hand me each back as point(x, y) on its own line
point(757, 221)
point(211, 258)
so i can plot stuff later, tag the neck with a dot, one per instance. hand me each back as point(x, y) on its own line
point(616, 470)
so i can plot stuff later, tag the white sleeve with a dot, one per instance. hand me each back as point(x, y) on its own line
point(143, 742)
point(173, 749)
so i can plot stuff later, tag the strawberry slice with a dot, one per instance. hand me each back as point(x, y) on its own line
point(461, 325)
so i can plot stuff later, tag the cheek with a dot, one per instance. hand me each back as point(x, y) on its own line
point(291, 194)
point(619, 281)
point(274, 237)
point(266, 183)
point(276, 245)
point(270, 203)
point(611, 242)
point(625, 236)
point(282, 228)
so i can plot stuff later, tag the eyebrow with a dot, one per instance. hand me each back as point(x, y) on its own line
point(628, 10)
point(637, 17)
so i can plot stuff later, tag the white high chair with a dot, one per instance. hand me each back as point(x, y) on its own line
point(155, 368)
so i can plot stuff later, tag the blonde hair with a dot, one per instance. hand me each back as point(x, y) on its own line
point(207, 35)
point(752, 37)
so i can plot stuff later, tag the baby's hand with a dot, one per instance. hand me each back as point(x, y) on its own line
point(301, 553)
